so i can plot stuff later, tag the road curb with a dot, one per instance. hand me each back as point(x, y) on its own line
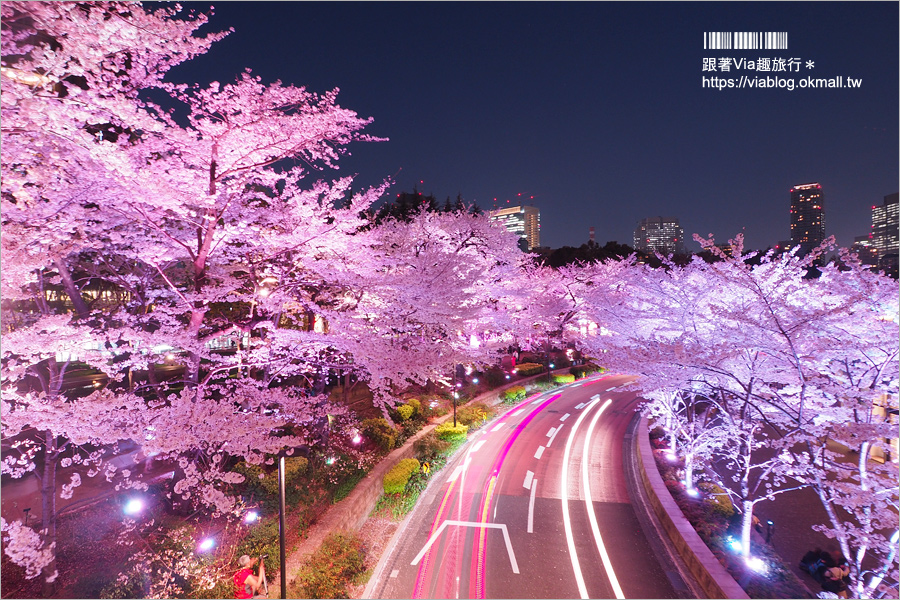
point(712, 577)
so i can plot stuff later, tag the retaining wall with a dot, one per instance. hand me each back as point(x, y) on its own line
point(712, 577)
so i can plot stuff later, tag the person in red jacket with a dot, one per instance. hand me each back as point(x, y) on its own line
point(247, 584)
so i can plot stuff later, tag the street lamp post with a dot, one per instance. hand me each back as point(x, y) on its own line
point(281, 527)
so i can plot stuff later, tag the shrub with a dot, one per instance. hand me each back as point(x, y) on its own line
point(584, 370)
point(262, 482)
point(473, 414)
point(380, 433)
point(495, 377)
point(429, 446)
point(394, 481)
point(446, 431)
point(416, 406)
point(336, 564)
point(346, 486)
point(563, 379)
point(513, 394)
point(526, 369)
point(260, 539)
point(717, 498)
point(405, 411)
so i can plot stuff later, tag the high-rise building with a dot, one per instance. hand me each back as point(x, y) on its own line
point(524, 221)
point(807, 216)
point(867, 253)
point(885, 225)
point(659, 234)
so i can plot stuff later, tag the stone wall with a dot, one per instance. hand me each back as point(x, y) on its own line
point(715, 581)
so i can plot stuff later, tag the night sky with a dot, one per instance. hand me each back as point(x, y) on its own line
point(596, 110)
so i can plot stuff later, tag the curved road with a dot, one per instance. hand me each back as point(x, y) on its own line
point(529, 510)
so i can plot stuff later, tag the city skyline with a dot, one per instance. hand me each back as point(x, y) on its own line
point(603, 125)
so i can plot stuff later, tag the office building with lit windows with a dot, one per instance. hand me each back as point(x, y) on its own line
point(524, 221)
point(659, 234)
point(885, 225)
point(807, 216)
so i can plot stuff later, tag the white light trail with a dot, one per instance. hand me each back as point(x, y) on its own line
point(586, 488)
point(564, 493)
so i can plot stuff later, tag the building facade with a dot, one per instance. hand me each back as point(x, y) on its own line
point(885, 225)
point(524, 221)
point(659, 234)
point(807, 216)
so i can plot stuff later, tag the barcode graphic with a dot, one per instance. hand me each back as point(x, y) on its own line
point(745, 40)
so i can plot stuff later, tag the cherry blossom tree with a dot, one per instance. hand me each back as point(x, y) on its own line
point(750, 336)
point(428, 294)
point(184, 220)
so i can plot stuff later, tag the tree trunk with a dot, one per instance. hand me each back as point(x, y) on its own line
point(746, 527)
point(689, 470)
point(81, 308)
point(48, 511)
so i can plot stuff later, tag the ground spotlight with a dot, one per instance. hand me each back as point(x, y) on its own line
point(758, 565)
point(251, 517)
point(134, 506)
point(206, 545)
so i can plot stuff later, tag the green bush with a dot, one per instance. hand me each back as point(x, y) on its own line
point(526, 369)
point(261, 481)
point(563, 379)
point(584, 370)
point(380, 433)
point(473, 414)
point(332, 568)
point(405, 411)
point(260, 539)
point(513, 394)
point(394, 481)
point(429, 446)
point(446, 431)
point(416, 406)
point(346, 486)
point(717, 498)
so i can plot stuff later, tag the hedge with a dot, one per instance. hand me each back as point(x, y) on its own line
point(585, 370)
point(526, 369)
point(513, 394)
point(447, 432)
point(394, 481)
point(563, 379)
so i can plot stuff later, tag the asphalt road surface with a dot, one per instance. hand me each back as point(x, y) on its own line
point(534, 506)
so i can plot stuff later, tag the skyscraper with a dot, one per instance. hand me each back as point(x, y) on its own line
point(659, 234)
point(885, 225)
point(524, 221)
point(807, 216)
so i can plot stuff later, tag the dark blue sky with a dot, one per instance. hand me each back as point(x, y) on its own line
point(595, 109)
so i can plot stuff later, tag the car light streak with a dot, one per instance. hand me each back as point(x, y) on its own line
point(478, 587)
point(420, 576)
point(589, 503)
point(564, 494)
